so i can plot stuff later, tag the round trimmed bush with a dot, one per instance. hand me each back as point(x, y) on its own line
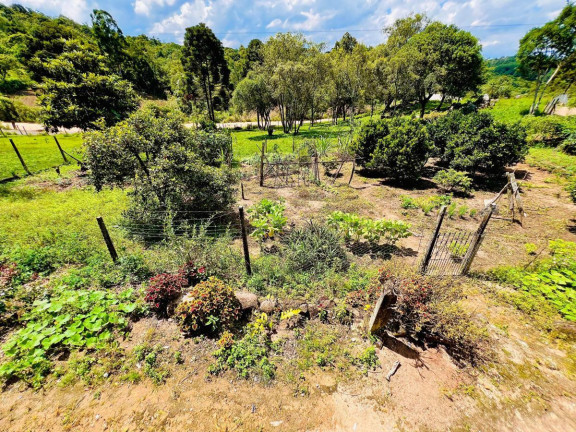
point(397, 148)
point(163, 289)
point(209, 307)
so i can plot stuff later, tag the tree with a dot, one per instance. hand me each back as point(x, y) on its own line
point(440, 59)
point(109, 38)
point(347, 43)
point(7, 63)
point(255, 93)
point(204, 63)
point(80, 92)
point(159, 157)
point(254, 53)
point(549, 48)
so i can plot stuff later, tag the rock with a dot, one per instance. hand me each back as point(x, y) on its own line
point(268, 306)
point(248, 300)
point(276, 423)
point(303, 308)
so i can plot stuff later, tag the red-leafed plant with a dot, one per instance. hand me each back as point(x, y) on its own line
point(163, 289)
point(8, 272)
point(192, 273)
point(211, 308)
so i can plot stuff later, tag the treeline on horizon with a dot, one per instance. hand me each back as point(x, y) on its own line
point(288, 74)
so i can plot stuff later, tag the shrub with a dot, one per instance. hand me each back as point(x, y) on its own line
point(163, 289)
point(315, 248)
point(267, 217)
point(248, 356)
point(355, 227)
point(568, 146)
point(453, 181)
point(476, 142)
point(397, 148)
point(192, 274)
point(210, 307)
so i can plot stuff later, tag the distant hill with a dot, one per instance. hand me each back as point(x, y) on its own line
point(504, 66)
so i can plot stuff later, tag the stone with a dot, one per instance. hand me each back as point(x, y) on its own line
point(303, 308)
point(248, 300)
point(268, 306)
point(313, 311)
point(383, 310)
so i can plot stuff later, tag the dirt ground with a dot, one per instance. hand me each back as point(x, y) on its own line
point(529, 384)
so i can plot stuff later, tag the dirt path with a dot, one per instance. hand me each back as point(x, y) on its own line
point(38, 129)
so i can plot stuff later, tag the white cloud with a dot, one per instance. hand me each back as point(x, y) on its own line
point(78, 10)
point(274, 23)
point(143, 7)
point(190, 13)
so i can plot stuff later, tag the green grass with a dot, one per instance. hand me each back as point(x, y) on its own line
point(62, 223)
point(511, 110)
point(38, 151)
point(552, 160)
point(246, 143)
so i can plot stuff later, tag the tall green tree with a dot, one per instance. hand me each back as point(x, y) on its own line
point(204, 63)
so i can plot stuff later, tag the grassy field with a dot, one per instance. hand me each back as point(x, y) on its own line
point(552, 160)
point(511, 110)
point(39, 152)
point(249, 142)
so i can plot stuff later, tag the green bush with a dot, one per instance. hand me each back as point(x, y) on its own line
point(547, 130)
point(475, 142)
point(453, 181)
point(314, 248)
point(397, 148)
point(209, 307)
point(571, 188)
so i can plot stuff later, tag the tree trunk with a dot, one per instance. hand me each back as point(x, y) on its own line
point(538, 85)
point(441, 102)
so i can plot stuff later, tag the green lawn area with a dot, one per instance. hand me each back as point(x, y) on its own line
point(61, 223)
point(38, 151)
point(511, 110)
point(247, 142)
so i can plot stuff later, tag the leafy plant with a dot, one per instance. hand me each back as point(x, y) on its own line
point(163, 289)
point(248, 356)
point(426, 204)
point(355, 228)
point(66, 321)
point(458, 250)
point(267, 217)
point(210, 306)
point(453, 181)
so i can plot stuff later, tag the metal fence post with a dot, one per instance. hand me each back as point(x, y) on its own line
point(430, 249)
point(107, 239)
point(245, 242)
point(478, 237)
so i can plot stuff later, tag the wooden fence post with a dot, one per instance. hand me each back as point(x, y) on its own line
point(61, 151)
point(107, 239)
point(262, 164)
point(478, 237)
point(430, 249)
point(245, 242)
point(242, 189)
point(20, 157)
point(353, 170)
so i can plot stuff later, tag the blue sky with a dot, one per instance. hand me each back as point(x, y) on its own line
point(498, 24)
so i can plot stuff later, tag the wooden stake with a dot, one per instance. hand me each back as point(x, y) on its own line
point(477, 240)
point(107, 239)
point(262, 164)
point(61, 151)
point(242, 189)
point(353, 170)
point(430, 249)
point(20, 157)
point(245, 242)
